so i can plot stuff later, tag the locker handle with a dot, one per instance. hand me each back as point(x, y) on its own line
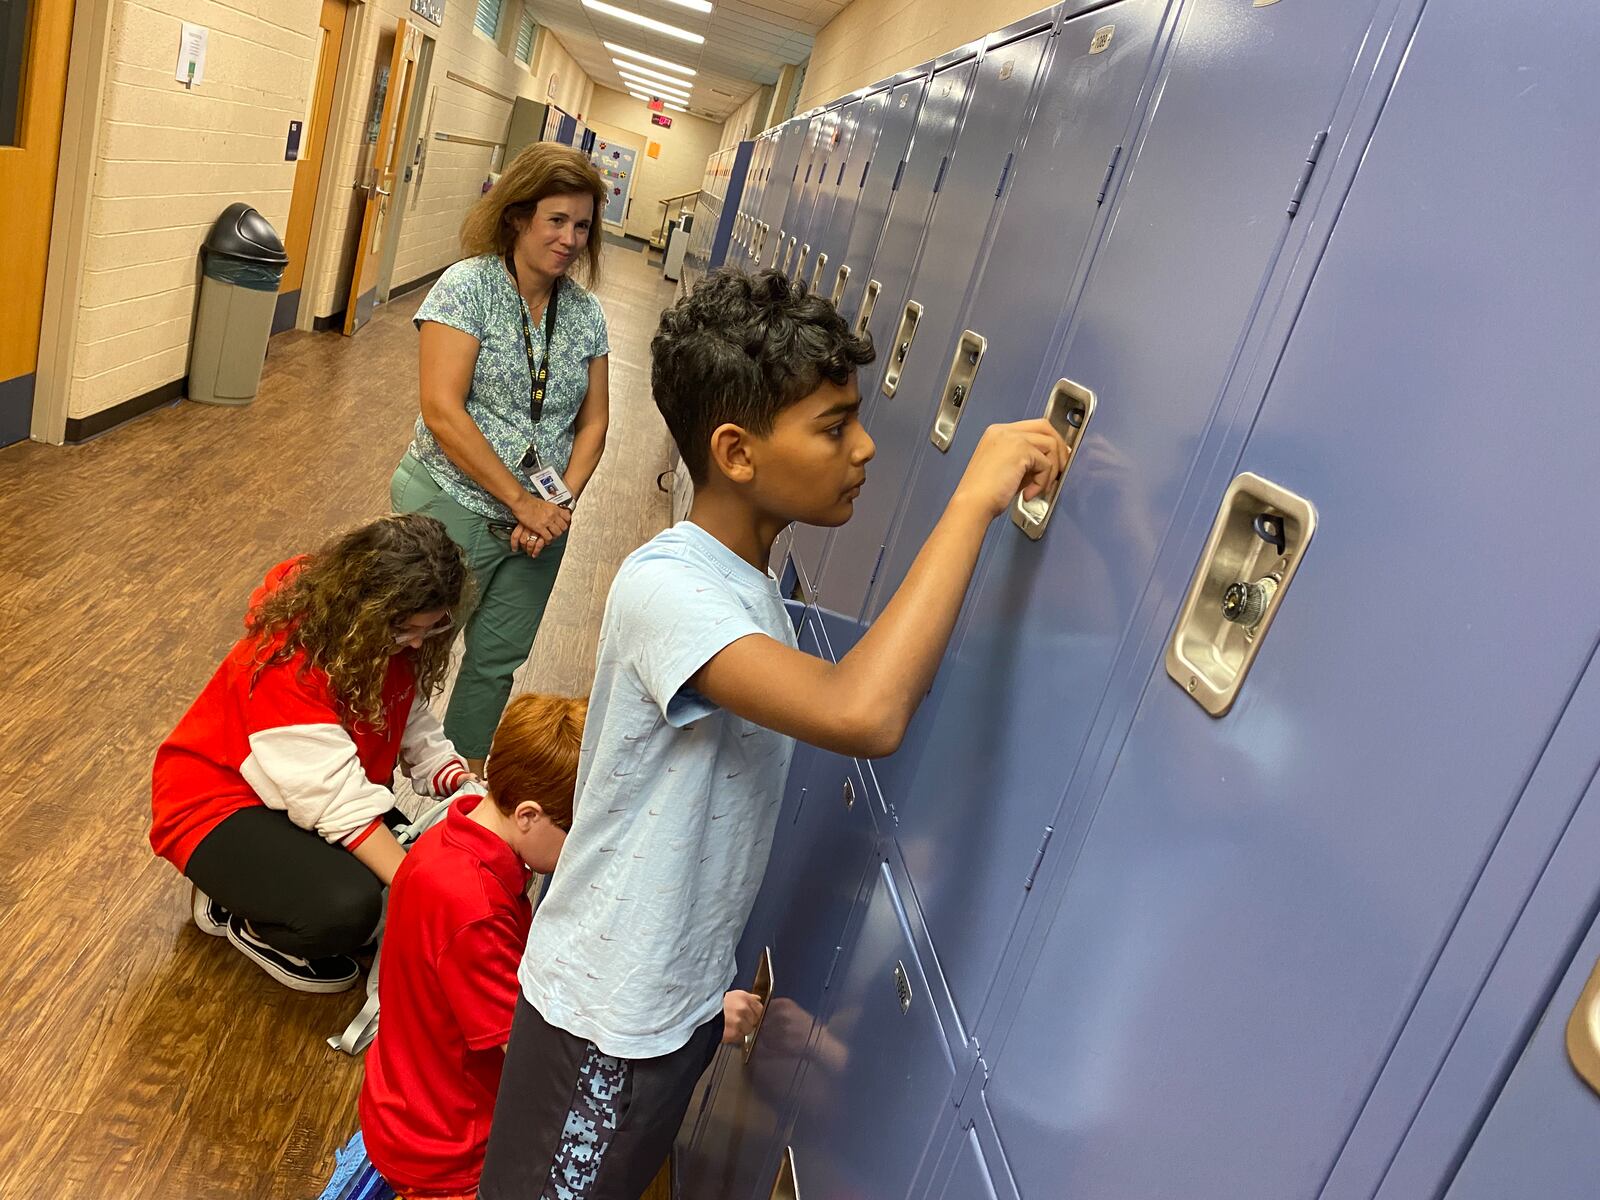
point(903, 338)
point(800, 263)
point(957, 387)
point(762, 987)
point(1254, 549)
point(1583, 1032)
point(869, 301)
point(839, 284)
point(816, 272)
point(786, 1186)
point(1068, 410)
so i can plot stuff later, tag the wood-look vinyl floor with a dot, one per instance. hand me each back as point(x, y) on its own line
point(139, 1058)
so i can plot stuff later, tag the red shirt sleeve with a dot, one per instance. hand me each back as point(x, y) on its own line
point(478, 975)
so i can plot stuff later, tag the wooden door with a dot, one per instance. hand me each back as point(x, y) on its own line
point(308, 171)
point(35, 37)
point(386, 162)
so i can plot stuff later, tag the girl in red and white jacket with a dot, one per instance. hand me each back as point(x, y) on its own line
point(271, 793)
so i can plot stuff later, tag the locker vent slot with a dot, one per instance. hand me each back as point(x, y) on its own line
point(903, 338)
point(958, 387)
point(1068, 410)
point(840, 283)
point(869, 301)
point(1256, 544)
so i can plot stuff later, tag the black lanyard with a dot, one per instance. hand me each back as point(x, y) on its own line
point(540, 374)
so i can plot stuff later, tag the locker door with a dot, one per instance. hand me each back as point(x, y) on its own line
point(775, 201)
point(968, 1177)
point(878, 1075)
point(801, 193)
point(1197, 226)
point(1543, 1136)
point(821, 231)
point(901, 187)
point(802, 226)
point(1256, 902)
point(760, 170)
point(876, 190)
point(852, 175)
point(1059, 186)
point(968, 182)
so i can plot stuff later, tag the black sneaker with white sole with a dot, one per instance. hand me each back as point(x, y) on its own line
point(209, 916)
point(336, 973)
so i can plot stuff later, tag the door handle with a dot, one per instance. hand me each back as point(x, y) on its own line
point(1068, 410)
point(957, 387)
point(903, 338)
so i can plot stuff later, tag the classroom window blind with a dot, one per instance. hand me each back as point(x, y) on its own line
point(525, 33)
point(488, 18)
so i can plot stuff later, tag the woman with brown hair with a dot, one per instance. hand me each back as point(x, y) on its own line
point(271, 793)
point(515, 405)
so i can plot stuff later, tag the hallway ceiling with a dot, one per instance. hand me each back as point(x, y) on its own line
point(746, 43)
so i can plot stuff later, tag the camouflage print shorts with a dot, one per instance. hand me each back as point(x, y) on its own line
point(591, 1124)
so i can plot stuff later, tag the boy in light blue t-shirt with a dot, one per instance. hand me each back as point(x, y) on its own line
point(698, 697)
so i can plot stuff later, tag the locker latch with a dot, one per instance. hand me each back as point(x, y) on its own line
point(1068, 409)
point(839, 283)
point(1583, 1032)
point(800, 264)
point(1255, 547)
point(786, 1186)
point(869, 301)
point(957, 387)
point(849, 793)
point(902, 987)
point(902, 346)
point(816, 272)
point(762, 988)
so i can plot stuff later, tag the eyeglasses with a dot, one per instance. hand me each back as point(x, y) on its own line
point(403, 634)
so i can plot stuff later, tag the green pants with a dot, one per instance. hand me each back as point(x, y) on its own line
point(512, 590)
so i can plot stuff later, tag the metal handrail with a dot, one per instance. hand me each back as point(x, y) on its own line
point(666, 213)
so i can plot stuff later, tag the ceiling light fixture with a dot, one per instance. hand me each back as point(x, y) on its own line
point(699, 6)
point(675, 107)
point(650, 85)
point(622, 14)
point(649, 58)
point(624, 66)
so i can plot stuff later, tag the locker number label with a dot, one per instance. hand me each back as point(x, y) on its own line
point(1102, 38)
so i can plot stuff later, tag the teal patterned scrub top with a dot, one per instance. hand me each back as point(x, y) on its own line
point(477, 296)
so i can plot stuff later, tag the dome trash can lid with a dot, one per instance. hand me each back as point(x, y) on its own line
point(243, 234)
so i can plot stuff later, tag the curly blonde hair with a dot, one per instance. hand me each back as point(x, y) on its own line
point(544, 169)
point(342, 605)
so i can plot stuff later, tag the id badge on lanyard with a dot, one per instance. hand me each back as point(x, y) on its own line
point(545, 481)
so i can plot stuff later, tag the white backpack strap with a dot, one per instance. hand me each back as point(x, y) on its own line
point(363, 1027)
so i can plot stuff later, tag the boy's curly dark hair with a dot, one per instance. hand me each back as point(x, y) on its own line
point(740, 349)
point(343, 603)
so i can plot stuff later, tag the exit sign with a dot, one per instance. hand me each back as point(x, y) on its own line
point(661, 119)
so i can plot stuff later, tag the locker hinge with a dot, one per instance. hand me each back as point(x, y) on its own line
point(1105, 183)
point(807, 179)
point(1004, 171)
point(1306, 169)
point(828, 978)
point(795, 174)
point(877, 565)
point(899, 173)
point(864, 171)
point(972, 1070)
point(840, 180)
point(938, 180)
point(1038, 858)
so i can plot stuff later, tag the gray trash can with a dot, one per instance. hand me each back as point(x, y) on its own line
point(244, 264)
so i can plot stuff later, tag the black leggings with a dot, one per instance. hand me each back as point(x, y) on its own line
point(300, 894)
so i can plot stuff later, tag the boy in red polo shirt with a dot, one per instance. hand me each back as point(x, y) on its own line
point(458, 921)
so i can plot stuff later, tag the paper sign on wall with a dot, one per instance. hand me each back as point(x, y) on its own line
point(192, 55)
point(654, 151)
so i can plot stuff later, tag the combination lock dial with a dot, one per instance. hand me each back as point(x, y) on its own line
point(1245, 603)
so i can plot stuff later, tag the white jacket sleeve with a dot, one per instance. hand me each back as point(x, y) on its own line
point(312, 773)
point(432, 764)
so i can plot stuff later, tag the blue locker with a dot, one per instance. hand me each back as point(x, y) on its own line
point(884, 169)
point(895, 252)
point(1153, 335)
point(818, 172)
point(877, 1076)
point(788, 141)
point(798, 207)
point(876, 189)
point(864, 122)
point(967, 1177)
point(821, 233)
point(1254, 903)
